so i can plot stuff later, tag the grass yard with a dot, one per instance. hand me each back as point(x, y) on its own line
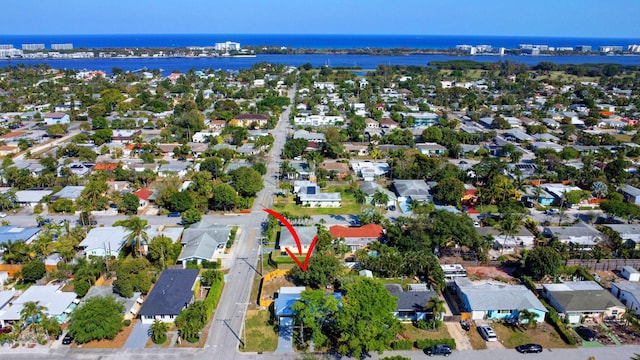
point(477, 342)
point(261, 335)
point(410, 332)
point(544, 335)
point(288, 204)
point(487, 209)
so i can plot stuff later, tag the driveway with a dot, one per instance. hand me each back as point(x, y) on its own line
point(285, 336)
point(459, 335)
point(138, 337)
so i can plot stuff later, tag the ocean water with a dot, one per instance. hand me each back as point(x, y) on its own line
point(362, 61)
point(305, 41)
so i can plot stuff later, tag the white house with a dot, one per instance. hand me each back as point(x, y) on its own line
point(54, 118)
point(630, 273)
point(628, 293)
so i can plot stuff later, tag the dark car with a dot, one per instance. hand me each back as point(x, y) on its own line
point(529, 348)
point(174, 214)
point(67, 339)
point(44, 222)
point(444, 350)
point(6, 330)
point(465, 325)
point(586, 333)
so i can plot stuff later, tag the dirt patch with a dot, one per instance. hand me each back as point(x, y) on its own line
point(490, 272)
point(273, 285)
point(116, 343)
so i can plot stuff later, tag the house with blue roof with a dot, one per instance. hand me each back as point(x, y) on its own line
point(16, 233)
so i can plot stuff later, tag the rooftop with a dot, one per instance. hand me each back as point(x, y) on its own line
point(172, 292)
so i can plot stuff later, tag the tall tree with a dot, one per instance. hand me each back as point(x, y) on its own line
point(366, 322)
point(32, 313)
point(99, 318)
point(315, 312)
point(436, 306)
point(137, 233)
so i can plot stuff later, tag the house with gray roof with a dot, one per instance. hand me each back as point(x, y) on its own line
point(104, 241)
point(68, 192)
point(59, 304)
point(497, 301)
point(309, 194)
point(518, 136)
point(578, 300)
point(631, 194)
point(410, 305)
point(580, 235)
point(628, 293)
point(537, 145)
point(172, 293)
point(30, 197)
point(630, 233)
point(305, 235)
point(202, 241)
point(431, 149)
point(523, 238)
point(309, 136)
point(179, 168)
point(370, 188)
point(415, 190)
point(131, 304)
point(546, 137)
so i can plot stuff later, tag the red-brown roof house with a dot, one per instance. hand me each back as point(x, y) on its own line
point(357, 237)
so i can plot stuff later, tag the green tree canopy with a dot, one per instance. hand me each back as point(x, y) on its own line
point(366, 322)
point(246, 181)
point(542, 261)
point(323, 270)
point(99, 318)
point(33, 271)
point(449, 191)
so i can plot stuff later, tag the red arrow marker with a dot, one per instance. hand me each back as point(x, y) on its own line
point(296, 238)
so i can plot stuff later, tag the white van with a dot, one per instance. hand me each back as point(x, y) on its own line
point(487, 333)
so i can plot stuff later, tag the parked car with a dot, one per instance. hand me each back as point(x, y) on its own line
point(487, 333)
point(3, 215)
point(173, 214)
point(67, 339)
point(585, 333)
point(44, 222)
point(443, 350)
point(552, 212)
point(465, 325)
point(529, 348)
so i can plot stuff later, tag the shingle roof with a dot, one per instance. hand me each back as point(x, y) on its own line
point(413, 300)
point(171, 293)
point(366, 231)
point(202, 239)
point(305, 233)
point(499, 297)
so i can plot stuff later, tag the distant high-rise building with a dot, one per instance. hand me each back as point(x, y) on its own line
point(228, 46)
point(6, 46)
point(633, 48)
point(32, 47)
point(583, 48)
point(610, 48)
point(68, 46)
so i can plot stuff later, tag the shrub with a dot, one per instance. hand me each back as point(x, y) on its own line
point(402, 345)
point(427, 343)
point(126, 322)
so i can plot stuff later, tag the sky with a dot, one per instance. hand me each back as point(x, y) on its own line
point(561, 18)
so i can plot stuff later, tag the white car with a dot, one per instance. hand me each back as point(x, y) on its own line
point(487, 333)
point(3, 215)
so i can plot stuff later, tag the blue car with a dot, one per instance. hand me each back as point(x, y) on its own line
point(174, 214)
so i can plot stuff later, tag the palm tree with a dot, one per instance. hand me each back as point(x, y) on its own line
point(15, 251)
point(629, 317)
point(436, 305)
point(530, 317)
point(380, 198)
point(32, 312)
point(158, 330)
point(509, 226)
point(137, 232)
point(360, 196)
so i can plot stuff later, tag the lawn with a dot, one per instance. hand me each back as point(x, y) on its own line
point(487, 209)
point(410, 332)
point(477, 342)
point(260, 334)
point(544, 335)
point(288, 204)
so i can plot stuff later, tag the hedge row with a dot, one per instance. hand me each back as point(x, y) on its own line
point(552, 317)
point(561, 328)
point(402, 345)
point(211, 301)
point(427, 343)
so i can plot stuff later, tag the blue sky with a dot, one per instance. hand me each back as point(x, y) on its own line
point(574, 18)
